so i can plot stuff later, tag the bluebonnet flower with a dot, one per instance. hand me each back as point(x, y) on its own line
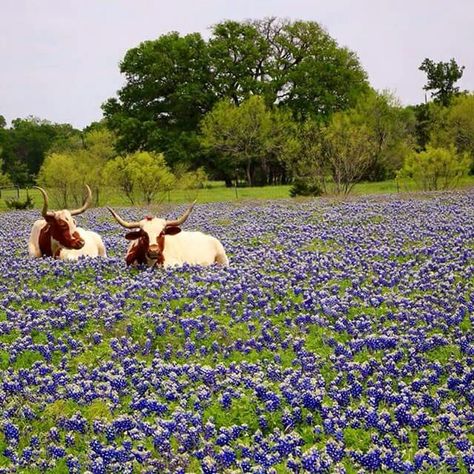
point(357, 321)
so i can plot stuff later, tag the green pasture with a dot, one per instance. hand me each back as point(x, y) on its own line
point(216, 191)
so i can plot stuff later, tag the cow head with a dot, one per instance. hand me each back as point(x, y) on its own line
point(62, 225)
point(150, 234)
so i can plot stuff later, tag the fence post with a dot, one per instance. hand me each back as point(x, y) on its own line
point(18, 192)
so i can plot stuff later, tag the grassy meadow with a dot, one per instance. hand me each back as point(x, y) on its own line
point(215, 191)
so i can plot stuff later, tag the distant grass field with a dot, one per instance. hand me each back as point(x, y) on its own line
point(215, 191)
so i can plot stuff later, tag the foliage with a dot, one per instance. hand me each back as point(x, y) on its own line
point(25, 144)
point(142, 176)
point(4, 177)
point(19, 204)
point(424, 121)
point(367, 142)
point(392, 130)
point(167, 91)
point(59, 174)
point(249, 138)
point(348, 150)
point(303, 187)
point(441, 77)
point(79, 160)
point(333, 157)
point(189, 181)
point(435, 168)
point(454, 125)
point(174, 81)
point(238, 53)
point(310, 172)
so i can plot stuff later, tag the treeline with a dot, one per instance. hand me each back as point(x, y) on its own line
point(260, 102)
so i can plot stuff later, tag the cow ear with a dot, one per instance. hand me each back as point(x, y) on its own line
point(136, 234)
point(173, 230)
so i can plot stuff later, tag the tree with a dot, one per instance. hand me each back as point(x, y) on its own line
point(347, 149)
point(441, 78)
point(237, 53)
point(392, 130)
point(309, 169)
point(166, 94)
point(293, 64)
point(249, 138)
point(174, 81)
point(238, 132)
point(368, 141)
point(61, 176)
point(454, 125)
point(189, 181)
point(26, 144)
point(142, 176)
point(4, 178)
point(281, 147)
point(311, 74)
point(435, 168)
point(424, 119)
point(84, 156)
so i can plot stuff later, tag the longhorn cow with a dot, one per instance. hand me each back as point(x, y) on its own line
point(156, 241)
point(56, 235)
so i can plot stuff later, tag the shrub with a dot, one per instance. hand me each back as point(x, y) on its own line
point(435, 168)
point(18, 204)
point(304, 187)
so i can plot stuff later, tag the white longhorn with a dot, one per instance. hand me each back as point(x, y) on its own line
point(56, 235)
point(156, 241)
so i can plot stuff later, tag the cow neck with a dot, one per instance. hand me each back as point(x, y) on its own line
point(45, 238)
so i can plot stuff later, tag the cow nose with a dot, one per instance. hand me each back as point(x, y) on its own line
point(153, 251)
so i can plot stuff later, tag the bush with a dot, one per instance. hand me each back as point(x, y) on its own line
point(142, 176)
point(302, 187)
point(435, 168)
point(18, 204)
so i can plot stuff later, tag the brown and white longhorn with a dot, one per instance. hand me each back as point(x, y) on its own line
point(56, 235)
point(156, 241)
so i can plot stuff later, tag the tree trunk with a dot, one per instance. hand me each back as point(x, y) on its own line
point(249, 173)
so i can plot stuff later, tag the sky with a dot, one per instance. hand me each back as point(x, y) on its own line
point(59, 59)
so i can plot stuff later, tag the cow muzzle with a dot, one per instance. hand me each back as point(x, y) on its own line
point(154, 252)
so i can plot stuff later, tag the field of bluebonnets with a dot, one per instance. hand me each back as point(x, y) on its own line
point(339, 340)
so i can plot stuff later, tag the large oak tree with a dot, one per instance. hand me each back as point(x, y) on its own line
point(172, 82)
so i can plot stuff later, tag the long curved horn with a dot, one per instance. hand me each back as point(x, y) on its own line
point(86, 204)
point(44, 211)
point(180, 220)
point(127, 225)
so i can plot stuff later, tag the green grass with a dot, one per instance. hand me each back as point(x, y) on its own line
point(215, 191)
point(390, 186)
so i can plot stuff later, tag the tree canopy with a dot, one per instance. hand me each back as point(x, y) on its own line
point(441, 77)
point(23, 147)
point(172, 82)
